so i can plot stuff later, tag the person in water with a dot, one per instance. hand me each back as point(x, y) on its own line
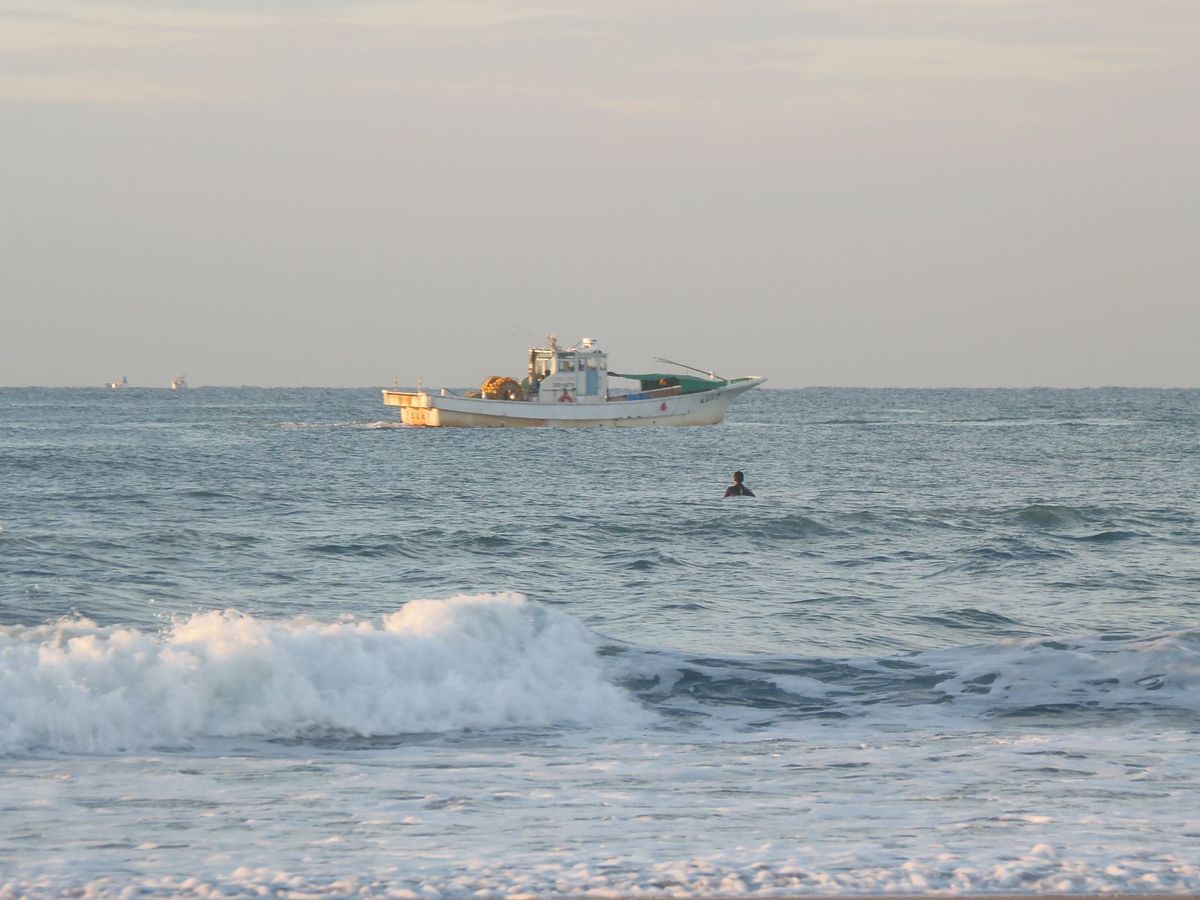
point(737, 489)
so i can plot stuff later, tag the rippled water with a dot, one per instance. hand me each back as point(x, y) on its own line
point(951, 645)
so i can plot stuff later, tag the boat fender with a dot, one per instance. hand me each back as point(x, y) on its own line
point(565, 397)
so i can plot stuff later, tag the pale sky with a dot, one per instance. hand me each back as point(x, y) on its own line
point(852, 192)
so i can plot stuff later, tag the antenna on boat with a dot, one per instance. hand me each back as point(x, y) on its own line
point(672, 362)
point(514, 329)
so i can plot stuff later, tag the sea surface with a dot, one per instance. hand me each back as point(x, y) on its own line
point(269, 642)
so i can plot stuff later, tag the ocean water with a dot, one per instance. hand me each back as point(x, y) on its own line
point(268, 642)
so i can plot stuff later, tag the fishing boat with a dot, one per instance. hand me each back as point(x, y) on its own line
point(117, 383)
point(179, 383)
point(569, 387)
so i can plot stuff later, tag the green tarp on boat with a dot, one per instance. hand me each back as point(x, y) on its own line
point(691, 384)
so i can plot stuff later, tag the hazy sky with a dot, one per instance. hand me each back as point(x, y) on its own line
point(853, 192)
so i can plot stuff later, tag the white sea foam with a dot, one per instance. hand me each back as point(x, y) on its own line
point(1037, 870)
point(469, 662)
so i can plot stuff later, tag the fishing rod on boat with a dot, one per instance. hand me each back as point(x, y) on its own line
point(672, 362)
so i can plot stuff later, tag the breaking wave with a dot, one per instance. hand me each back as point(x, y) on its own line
point(498, 661)
point(469, 662)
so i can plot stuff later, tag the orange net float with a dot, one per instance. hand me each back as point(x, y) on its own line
point(500, 387)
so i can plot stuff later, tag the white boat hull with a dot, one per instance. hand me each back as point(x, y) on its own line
point(450, 411)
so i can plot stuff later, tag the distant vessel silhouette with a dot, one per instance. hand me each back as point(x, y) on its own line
point(179, 382)
point(124, 382)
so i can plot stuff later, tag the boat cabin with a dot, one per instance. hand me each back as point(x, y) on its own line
point(568, 375)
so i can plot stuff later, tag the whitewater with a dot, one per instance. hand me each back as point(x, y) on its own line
point(267, 641)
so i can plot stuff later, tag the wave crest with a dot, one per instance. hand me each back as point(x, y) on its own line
point(1016, 677)
point(469, 662)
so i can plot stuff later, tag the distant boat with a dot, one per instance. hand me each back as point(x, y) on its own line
point(124, 382)
point(179, 383)
point(570, 387)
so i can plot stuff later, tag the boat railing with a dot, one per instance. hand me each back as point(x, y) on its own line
point(654, 394)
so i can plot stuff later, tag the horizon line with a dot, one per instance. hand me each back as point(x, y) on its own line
point(806, 387)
